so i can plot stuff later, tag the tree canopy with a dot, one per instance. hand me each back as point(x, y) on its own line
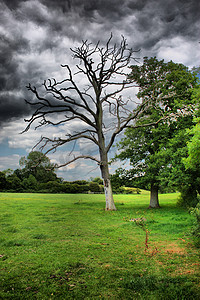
point(163, 87)
point(38, 165)
point(193, 160)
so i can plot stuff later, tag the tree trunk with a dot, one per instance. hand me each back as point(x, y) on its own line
point(110, 205)
point(154, 203)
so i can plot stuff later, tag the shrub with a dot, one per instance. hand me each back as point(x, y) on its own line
point(79, 182)
point(30, 183)
point(94, 187)
point(196, 228)
point(73, 188)
point(52, 187)
point(127, 190)
point(2, 181)
point(188, 197)
point(13, 183)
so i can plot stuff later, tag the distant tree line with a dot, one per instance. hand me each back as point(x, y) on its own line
point(37, 174)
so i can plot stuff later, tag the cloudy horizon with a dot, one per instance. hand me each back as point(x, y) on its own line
point(36, 37)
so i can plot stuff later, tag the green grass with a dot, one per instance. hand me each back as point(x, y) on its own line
point(68, 247)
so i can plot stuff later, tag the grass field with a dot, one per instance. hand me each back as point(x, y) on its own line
point(68, 247)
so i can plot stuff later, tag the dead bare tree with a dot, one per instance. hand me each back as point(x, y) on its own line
point(98, 106)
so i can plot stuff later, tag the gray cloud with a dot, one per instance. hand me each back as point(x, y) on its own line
point(12, 107)
point(36, 35)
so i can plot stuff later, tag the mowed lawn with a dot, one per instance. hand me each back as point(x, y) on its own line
point(67, 247)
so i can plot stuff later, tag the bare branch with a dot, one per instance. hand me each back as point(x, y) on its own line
point(79, 157)
point(124, 123)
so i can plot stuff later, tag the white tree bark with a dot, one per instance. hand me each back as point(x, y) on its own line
point(110, 205)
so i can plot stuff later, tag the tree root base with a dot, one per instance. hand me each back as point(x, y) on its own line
point(154, 207)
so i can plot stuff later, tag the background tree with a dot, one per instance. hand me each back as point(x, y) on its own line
point(97, 105)
point(183, 172)
point(97, 179)
point(38, 165)
point(13, 183)
point(2, 181)
point(174, 176)
point(193, 160)
point(8, 172)
point(30, 183)
point(163, 87)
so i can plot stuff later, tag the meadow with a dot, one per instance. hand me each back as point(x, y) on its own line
point(61, 246)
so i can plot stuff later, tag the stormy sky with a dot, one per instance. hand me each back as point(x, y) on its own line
point(35, 38)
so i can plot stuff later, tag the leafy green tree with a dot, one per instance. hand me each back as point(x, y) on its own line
point(80, 182)
point(8, 172)
point(2, 181)
point(196, 227)
point(13, 183)
point(193, 159)
point(184, 172)
point(175, 176)
point(38, 165)
point(30, 183)
point(163, 88)
point(95, 187)
point(97, 179)
point(54, 187)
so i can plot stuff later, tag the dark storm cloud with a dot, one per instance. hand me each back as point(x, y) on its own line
point(12, 4)
point(111, 8)
point(12, 107)
point(153, 20)
point(9, 76)
point(181, 13)
point(159, 18)
point(34, 27)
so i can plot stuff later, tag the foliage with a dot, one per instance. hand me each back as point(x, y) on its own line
point(127, 190)
point(163, 87)
point(95, 187)
point(97, 179)
point(193, 160)
point(184, 173)
point(196, 227)
point(13, 183)
point(175, 176)
point(8, 172)
point(38, 165)
point(46, 181)
point(30, 183)
point(2, 181)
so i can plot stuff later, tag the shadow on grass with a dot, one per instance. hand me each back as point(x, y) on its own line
point(162, 287)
